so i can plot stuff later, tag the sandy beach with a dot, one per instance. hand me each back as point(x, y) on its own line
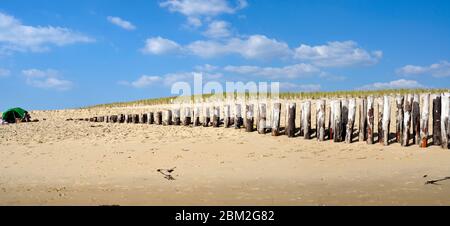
point(59, 162)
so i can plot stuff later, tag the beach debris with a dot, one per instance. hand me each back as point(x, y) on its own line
point(434, 182)
point(167, 173)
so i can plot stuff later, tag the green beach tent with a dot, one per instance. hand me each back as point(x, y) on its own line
point(13, 113)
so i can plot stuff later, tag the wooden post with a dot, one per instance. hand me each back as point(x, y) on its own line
point(206, 117)
point(344, 118)
point(158, 118)
point(197, 116)
point(107, 119)
point(416, 119)
point(121, 118)
point(407, 121)
point(386, 123)
point(380, 111)
point(399, 100)
point(130, 119)
point(424, 120)
point(135, 118)
point(249, 119)
point(306, 120)
point(370, 120)
point(351, 121)
point(262, 118)
point(151, 118)
point(445, 117)
point(320, 120)
point(216, 117)
point(177, 117)
point(144, 118)
point(227, 116)
point(167, 118)
point(238, 116)
point(437, 120)
point(337, 121)
point(362, 120)
point(187, 116)
point(331, 123)
point(276, 117)
point(290, 127)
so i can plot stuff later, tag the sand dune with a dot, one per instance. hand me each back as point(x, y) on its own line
point(58, 162)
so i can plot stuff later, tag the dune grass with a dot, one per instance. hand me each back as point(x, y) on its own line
point(285, 95)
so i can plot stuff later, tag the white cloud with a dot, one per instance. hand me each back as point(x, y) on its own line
point(121, 23)
point(16, 37)
point(253, 47)
point(168, 79)
point(49, 79)
point(218, 29)
point(158, 46)
point(294, 87)
point(337, 54)
point(4, 73)
point(397, 84)
point(197, 10)
point(291, 71)
point(206, 68)
point(441, 69)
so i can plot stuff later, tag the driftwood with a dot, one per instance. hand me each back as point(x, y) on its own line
point(306, 119)
point(424, 120)
point(320, 120)
point(362, 120)
point(415, 124)
point(249, 118)
point(407, 121)
point(386, 121)
point(445, 117)
point(290, 127)
point(437, 120)
point(351, 120)
point(370, 120)
point(399, 100)
point(167, 173)
point(434, 182)
point(276, 117)
point(262, 118)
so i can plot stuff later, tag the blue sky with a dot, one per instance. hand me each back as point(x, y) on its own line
point(62, 54)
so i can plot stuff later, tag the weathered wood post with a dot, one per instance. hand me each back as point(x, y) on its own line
point(386, 122)
point(445, 117)
point(306, 119)
point(344, 118)
point(216, 116)
point(362, 120)
point(399, 100)
point(276, 117)
point(238, 121)
point(144, 118)
point(151, 118)
point(290, 127)
point(337, 121)
point(130, 118)
point(136, 119)
point(262, 118)
point(158, 119)
point(121, 118)
point(107, 119)
point(407, 121)
point(331, 123)
point(197, 116)
point(249, 119)
point(370, 120)
point(416, 119)
point(207, 117)
point(351, 120)
point(424, 120)
point(168, 118)
point(227, 116)
point(380, 111)
point(187, 116)
point(176, 116)
point(320, 120)
point(437, 120)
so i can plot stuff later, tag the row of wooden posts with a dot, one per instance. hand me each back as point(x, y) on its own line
point(412, 119)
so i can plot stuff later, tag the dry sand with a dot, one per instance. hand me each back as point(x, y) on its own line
point(55, 162)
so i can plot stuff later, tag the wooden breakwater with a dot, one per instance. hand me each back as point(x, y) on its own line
point(411, 119)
